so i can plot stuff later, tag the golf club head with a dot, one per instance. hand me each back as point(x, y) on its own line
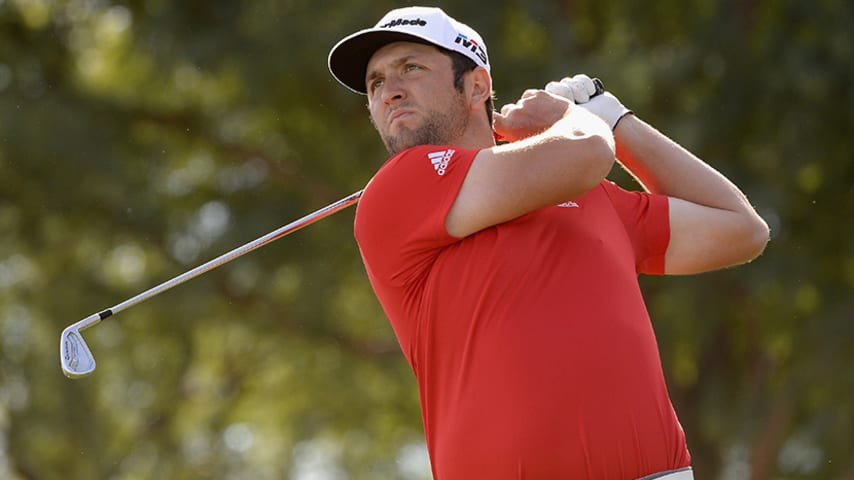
point(74, 355)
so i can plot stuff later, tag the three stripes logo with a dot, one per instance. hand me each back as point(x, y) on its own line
point(441, 159)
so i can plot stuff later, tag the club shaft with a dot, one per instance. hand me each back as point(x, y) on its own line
point(237, 252)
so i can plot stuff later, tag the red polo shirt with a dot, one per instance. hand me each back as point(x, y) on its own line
point(531, 343)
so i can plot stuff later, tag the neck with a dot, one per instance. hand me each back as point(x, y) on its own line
point(477, 135)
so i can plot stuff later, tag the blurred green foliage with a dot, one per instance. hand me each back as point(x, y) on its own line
point(141, 138)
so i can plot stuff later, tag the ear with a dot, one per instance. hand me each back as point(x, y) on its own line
point(481, 87)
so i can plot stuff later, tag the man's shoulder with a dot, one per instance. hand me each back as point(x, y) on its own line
point(415, 183)
point(429, 161)
point(431, 152)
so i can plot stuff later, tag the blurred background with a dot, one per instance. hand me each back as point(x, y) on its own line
point(139, 139)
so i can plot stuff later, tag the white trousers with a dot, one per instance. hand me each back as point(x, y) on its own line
point(681, 474)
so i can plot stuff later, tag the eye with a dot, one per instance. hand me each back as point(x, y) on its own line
point(409, 67)
point(374, 85)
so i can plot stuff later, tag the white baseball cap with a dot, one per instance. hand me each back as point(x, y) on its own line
point(348, 59)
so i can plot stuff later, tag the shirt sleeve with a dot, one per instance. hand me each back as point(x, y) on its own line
point(645, 217)
point(400, 219)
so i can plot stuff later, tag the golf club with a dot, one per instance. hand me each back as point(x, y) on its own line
point(74, 355)
point(76, 358)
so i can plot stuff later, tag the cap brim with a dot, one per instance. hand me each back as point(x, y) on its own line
point(348, 60)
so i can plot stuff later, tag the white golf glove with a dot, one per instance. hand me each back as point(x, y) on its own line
point(577, 89)
point(581, 90)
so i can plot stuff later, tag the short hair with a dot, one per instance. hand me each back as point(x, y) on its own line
point(461, 65)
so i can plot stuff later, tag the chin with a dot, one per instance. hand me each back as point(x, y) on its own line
point(400, 142)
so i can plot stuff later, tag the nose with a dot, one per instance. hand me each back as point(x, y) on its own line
point(392, 91)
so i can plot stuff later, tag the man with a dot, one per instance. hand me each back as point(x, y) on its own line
point(509, 273)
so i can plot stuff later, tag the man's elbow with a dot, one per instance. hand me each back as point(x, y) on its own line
point(600, 158)
point(755, 237)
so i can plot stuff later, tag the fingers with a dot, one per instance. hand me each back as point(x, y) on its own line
point(498, 122)
point(560, 89)
point(577, 89)
point(534, 112)
point(582, 88)
point(538, 109)
point(527, 96)
point(531, 92)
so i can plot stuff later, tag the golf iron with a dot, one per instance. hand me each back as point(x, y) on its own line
point(74, 355)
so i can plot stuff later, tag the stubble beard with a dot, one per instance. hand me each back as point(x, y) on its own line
point(440, 127)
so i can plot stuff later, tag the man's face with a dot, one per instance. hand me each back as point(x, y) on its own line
point(412, 99)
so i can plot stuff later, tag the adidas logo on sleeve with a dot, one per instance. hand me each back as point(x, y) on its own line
point(440, 160)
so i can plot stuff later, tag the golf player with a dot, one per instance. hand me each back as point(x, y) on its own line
point(509, 272)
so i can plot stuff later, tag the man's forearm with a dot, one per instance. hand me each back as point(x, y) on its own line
point(662, 166)
point(712, 224)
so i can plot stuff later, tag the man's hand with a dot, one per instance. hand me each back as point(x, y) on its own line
point(535, 112)
point(580, 89)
